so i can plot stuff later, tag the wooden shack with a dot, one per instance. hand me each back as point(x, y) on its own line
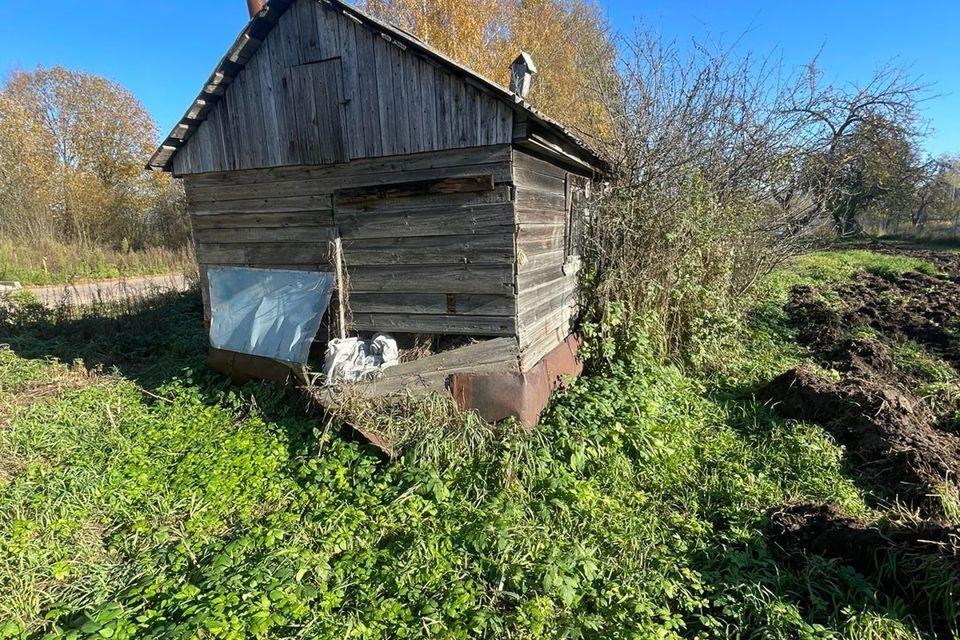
point(457, 205)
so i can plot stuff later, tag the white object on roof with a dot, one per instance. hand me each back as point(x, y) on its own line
point(522, 71)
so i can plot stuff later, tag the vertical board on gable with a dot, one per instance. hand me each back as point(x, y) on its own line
point(459, 128)
point(306, 17)
point(254, 129)
point(354, 130)
point(444, 109)
point(428, 106)
point(383, 66)
point(268, 105)
point(368, 92)
point(399, 109)
point(411, 97)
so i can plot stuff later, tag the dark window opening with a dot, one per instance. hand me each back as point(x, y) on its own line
point(578, 193)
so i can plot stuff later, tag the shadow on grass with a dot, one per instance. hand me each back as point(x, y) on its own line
point(148, 340)
point(755, 579)
point(152, 341)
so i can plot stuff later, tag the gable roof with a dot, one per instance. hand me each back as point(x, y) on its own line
point(260, 26)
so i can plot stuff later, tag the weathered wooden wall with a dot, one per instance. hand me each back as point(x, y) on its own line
point(547, 282)
point(417, 261)
point(325, 88)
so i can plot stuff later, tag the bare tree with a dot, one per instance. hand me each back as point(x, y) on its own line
point(858, 142)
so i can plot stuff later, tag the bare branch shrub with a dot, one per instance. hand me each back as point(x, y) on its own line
point(703, 198)
point(726, 165)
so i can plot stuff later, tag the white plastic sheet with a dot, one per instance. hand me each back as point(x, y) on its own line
point(267, 312)
point(355, 359)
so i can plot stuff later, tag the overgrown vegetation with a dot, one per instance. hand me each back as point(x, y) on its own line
point(51, 262)
point(168, 503)
point(142, 496)
point(724, 166)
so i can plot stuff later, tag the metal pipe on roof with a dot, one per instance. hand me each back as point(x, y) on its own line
point(255, 6)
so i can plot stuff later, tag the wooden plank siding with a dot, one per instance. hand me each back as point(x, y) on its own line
point(437, 261)
point(324, 88)
point(547, 281)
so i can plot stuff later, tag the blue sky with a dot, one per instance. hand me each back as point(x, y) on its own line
point(163, 50)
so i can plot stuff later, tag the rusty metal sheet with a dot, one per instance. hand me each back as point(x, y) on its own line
point(497, 396)
point(241, 367)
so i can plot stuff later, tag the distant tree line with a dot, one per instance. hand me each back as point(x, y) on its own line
point(72, 152)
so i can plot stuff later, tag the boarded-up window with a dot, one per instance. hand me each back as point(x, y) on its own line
point(577, 219)
point(312, 93)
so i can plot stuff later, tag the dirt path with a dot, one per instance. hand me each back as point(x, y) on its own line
point(86, 293)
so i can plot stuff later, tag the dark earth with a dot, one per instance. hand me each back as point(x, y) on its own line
point(902, 559)
point(902, 448)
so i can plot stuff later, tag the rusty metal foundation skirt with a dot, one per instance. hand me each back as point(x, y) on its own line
point(497, 396)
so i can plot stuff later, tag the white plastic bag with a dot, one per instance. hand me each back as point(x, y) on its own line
point(354, 359)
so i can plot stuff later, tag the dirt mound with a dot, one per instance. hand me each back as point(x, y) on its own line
point(903, 446)
point(899, 436)
point(818, 324)
point(890, 435)
point(901, 559)
point(914, 306)
point(825, 530)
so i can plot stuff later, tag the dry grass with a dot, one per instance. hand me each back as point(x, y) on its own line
point(431, 425)
point(59, 377)
point(53, 262)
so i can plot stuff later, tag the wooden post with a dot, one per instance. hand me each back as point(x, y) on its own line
point(341, 288)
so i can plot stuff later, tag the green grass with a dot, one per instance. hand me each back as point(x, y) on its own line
point(917, 361)
point(824, 268)
point(767, 344)
point(151, 499)
point(937, 382)
point(55, 263)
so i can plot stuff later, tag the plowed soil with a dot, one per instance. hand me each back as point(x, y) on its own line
point(897, 444)
point(902, 448)
point(902, 560)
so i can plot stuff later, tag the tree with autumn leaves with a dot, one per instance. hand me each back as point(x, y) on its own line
point(570, 41)
point(72, 151)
